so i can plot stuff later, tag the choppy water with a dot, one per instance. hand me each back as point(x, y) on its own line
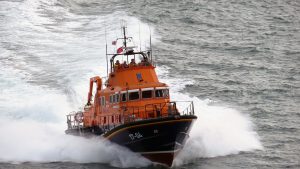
point(238, 61)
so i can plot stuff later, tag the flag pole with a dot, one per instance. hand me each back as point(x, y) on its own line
point(106, 53)
point(151, 46)
point(140, 37)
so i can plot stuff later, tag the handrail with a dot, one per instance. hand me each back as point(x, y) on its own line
point(73, 122)
point(135, 113)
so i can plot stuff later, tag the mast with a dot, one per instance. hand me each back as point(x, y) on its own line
point(153, 61)
point(106, 54)
point(140, 37)
point(125, 44)
point(124, 29)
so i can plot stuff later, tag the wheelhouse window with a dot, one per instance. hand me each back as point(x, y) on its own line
point(116, 98)
point(147, 93)
point(167, 93)
point(161, 92)
point(111, 98)
point(124, 96)
point(102, 100)
point(133, 95)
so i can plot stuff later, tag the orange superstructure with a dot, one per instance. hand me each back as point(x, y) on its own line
point(131, 89)
point(128, 89)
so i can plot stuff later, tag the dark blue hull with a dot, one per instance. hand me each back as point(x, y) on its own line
point(158, 139)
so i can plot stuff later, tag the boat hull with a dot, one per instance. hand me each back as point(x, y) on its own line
point(159, 140)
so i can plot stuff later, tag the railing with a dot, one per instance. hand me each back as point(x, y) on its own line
point(132, 114)
point(189, 110)
point(75, 120)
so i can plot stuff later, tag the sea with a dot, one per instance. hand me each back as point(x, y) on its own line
point(238, 61)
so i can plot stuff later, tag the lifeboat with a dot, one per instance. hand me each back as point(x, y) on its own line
point(133, 108)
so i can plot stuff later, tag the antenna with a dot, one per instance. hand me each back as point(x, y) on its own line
point(124, 38)
point(116, 37)
point(140, 36)
point(124, 34)
point(106, 53)
point(150, 43)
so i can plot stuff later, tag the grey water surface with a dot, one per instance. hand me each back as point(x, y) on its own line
point(240, 53)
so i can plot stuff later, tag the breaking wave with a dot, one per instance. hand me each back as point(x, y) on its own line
point(34, 132)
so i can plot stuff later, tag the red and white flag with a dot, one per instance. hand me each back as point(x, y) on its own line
point(120, 50)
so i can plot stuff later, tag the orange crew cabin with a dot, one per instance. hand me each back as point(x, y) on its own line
point(132, 92)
